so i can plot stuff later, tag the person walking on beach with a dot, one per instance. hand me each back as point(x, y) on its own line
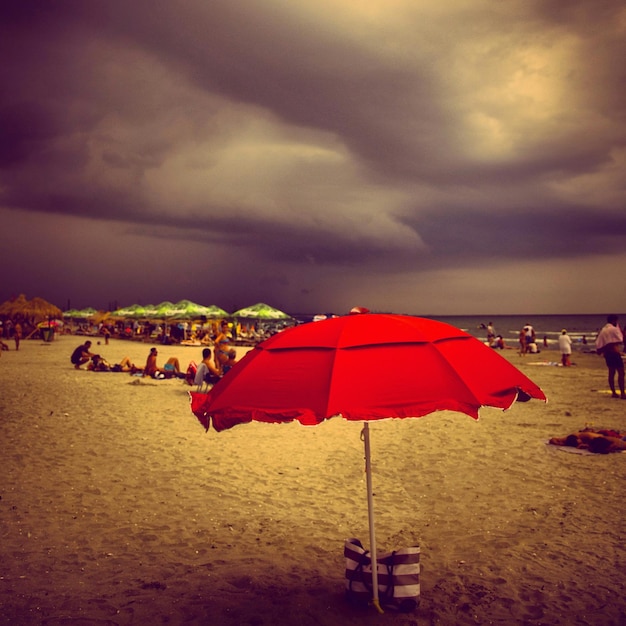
point(608, 345)
point(565, 346)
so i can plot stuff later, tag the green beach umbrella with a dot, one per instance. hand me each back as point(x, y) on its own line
point(163, 310)
point(185, 309)
point(214, 311)
point(134, 311)
point(261, 311)
point(80, 313)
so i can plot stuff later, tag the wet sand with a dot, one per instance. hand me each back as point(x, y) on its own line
point(117, 508)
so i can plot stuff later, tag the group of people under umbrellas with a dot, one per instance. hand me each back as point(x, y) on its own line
point(209, 371)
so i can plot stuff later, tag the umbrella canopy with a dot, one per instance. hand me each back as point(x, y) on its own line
point(261, 311)
point(166, 310)
point(50, 324)
point(135, 311)
point(100, 316)
point(213, 311)
point(37, 308)
point(363, 367)
point(80, 313)
point(185, 309)
point(42, 309)
point(14, 306)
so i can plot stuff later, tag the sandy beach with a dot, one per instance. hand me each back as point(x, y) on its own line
point(117, 508)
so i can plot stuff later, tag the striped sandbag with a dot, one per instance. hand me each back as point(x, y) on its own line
point(398, 576)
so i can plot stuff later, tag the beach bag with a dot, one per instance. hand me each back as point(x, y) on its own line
point(398, 577)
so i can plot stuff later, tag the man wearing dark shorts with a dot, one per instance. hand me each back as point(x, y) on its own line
point(608, 343)
point(81, 355)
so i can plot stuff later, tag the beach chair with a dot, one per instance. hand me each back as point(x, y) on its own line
point(204, 378)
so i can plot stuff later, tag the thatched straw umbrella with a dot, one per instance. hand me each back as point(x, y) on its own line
point(29, 312)
point(34, 310)
point(14, 306)
point(40, 309)
point(99, 317)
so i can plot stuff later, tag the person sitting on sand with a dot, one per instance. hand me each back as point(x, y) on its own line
point(206, 372)
point(81, 355)
point(498, 343)
point(171, 367)
point(232, 359)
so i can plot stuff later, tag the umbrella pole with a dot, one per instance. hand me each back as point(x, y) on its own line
point(370, 513)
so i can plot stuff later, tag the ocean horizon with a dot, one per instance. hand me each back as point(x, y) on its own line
point(548, 326)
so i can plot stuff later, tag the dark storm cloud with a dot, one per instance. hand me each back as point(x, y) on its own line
point(521, 235)
point(390, 137)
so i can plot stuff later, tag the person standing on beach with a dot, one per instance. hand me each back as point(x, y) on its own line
point(17, 334)
point(522, 342)
point(3, 346)
point(565, 346)
point(222, 347)
point(608, 345)
point(529, 335)
point(491, 333)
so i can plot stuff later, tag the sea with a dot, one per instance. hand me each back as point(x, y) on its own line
point(582, 328)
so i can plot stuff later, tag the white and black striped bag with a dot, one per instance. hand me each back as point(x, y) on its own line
point(398, 576)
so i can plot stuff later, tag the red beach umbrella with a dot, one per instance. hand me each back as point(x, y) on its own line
point(363, 367)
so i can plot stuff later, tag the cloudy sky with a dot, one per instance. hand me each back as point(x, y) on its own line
point(414, 156)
